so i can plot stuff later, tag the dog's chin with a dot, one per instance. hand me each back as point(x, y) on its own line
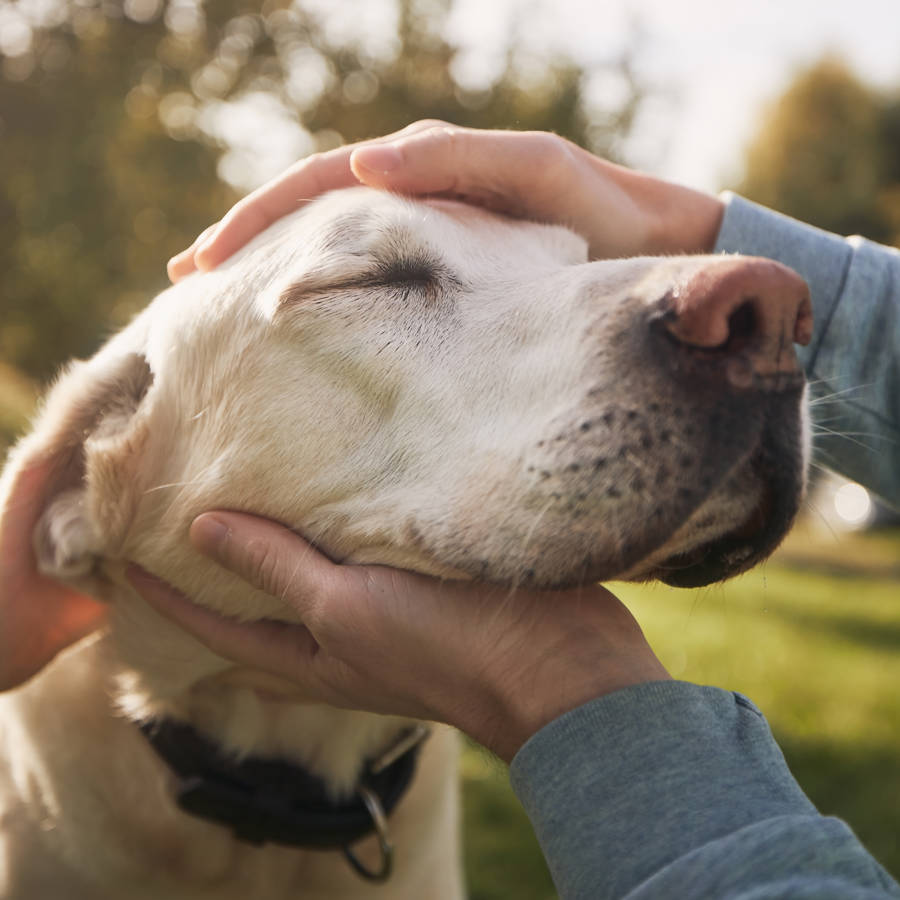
point(737, 549)
point(737, 526)
point(740, 524)
point(721, 558)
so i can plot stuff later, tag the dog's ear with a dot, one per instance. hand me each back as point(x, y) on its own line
point(76, 473)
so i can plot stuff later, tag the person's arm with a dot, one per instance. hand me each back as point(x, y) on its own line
point(675, 790)
point(853, 361)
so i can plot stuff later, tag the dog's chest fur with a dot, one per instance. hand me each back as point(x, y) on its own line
point(85, 804)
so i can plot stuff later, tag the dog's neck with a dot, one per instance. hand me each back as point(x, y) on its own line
point(157, 671)
point(87, 780)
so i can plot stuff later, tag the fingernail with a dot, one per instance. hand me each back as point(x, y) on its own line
point(381, 158)
point(173, 266)
point(209, 533)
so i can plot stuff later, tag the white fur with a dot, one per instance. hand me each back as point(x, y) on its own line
point(452, 425)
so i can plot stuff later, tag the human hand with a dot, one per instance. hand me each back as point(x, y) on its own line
point(498, 664)
point(533, 175)
point(298, 184)
point(38, 616)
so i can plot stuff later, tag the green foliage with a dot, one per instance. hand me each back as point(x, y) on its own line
point(110, 160)
point(827, 154)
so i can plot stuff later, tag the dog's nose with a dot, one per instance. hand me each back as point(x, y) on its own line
point(752, 310)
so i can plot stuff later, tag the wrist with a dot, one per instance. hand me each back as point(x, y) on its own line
point(681, 219)
point(515, 700)
point(673, 218)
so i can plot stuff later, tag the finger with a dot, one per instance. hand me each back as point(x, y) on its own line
point(277, 647)
point(272, 558)
point(182, 264)
point(38, 616)
point(65, 618)
point(299, 184)
point(515, 171)
point(255, 212)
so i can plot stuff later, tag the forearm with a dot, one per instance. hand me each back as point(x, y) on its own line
point(674, 790)
point(853, 362)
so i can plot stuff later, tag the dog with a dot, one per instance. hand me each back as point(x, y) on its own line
point(416, 383)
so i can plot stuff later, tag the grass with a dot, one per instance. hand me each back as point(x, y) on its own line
point(813, 637)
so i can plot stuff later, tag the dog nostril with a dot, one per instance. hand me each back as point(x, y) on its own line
point(743, 325)
point(749, 307)
point(720, 332)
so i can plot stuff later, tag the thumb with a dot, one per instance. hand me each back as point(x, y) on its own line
point(270, 557)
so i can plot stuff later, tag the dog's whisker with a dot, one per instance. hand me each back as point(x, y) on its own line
point(826, 420)
point(172, 484)
point(526, 539)
point(814, 509)
point(835, 396)
point(860, 434)
point(830, 432)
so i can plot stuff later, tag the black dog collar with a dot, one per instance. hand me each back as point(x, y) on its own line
point(264, 800)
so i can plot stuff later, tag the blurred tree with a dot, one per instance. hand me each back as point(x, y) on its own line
point(828, 153)
point(123, 120)
point(95, 192)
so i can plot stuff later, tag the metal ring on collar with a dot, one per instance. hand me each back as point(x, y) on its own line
point(379, 819)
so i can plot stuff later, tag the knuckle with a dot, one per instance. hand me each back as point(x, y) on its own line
point(207, 232)
point(452, 135)
point(557, 158)
point(315, 598)
point(217, 641)
point(259, 566)
point(311, 162)
point(552, 147)
point(425, 124)
point(239, 212)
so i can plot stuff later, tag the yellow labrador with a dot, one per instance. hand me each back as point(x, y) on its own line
point(420, 384)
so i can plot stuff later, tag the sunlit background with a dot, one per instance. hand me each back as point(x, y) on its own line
point(127, 127)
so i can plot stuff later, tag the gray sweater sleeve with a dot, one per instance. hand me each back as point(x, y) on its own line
point(853, 362)
point(672, 790)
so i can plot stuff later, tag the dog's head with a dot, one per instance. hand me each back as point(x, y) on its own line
point(424, 384)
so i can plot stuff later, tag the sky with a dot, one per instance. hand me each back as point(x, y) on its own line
point(722, 60)
point(712, 66)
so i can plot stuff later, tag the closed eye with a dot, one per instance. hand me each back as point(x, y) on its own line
point(418, 274)
point(408, 271)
